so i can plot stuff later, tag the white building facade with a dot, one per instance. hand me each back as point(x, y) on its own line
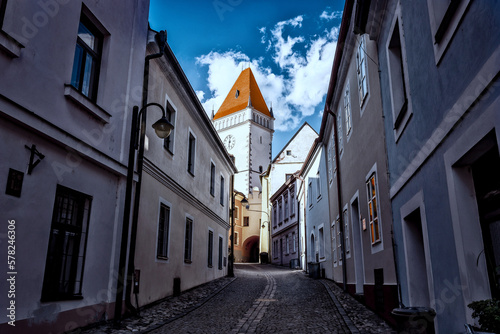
point(71, 73)
point(182, 235)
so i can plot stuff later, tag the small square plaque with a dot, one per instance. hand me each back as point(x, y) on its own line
point(14, 183)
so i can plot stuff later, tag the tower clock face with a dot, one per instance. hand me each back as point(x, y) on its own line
point(229, 142)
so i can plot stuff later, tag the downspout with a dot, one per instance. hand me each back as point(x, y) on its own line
point(161, 39)
point(305, 222)
point(339, 198)
point(231, 260)
point(298, 223)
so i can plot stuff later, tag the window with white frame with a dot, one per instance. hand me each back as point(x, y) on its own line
point(86, 63)
point(345, 218)
point(221, 249)
point(444, 18)
point(236, 212)
point(340, 133)
point(339, 239)
point(191, 153)
point(318, 185)
point(188, 240)
point(333, 161)
point(210, 248)
point(287, 244)
point(275, 216)
point(310, 193)
point(334, 241)
point(330, 167)
point(294, 242)
point(398, 77)
point(235, 238)
point(361, 70)
point(222, 187)
point(280, 211)
point(168, 143)
point(286, 205)
point(246, 221)
point(347, 110)
point(163, 230)
point(321, 243)
point(371, 188)
point(292, 201)
point(212, 179)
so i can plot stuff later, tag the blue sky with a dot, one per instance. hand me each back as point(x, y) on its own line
point(289, 46)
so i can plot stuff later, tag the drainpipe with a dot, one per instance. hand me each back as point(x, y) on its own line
point(339, 198)
point(161, 39)
point(305, 222)
point(231, 259)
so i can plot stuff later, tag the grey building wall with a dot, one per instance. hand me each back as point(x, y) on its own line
point(454, 105)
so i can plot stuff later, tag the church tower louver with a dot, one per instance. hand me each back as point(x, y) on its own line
point(246, 126)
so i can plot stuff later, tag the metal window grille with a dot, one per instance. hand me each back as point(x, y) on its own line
point(67, 246)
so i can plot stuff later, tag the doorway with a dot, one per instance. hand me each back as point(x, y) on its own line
point(359, 271)
point(418, 285)
point(486, 177)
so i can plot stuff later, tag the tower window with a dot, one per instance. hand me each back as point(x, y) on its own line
point(237, 93)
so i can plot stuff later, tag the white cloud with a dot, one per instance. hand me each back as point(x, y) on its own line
point(200, 94)
point(331, 16)
point(263, 32)
point(304, 71)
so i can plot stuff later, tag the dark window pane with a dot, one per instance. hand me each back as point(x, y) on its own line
point(87, 37)
point(77, 67)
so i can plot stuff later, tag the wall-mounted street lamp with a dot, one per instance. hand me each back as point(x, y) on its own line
point(162, 129)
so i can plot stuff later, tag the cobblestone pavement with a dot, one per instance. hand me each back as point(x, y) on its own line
point(262, 299)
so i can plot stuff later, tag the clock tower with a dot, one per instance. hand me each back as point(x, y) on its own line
point(246, 126)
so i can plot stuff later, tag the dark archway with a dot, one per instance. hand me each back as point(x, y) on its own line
point(251, 249)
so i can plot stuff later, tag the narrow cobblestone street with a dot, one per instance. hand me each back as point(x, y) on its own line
point(261, 299)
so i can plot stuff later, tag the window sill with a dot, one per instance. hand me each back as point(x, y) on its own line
point(60, 298)
point(209, 266)
point(162, 258)
point(10, 45)
point(83, 102)
point(188, 261)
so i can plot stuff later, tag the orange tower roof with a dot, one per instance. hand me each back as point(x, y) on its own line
point(245, 92)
